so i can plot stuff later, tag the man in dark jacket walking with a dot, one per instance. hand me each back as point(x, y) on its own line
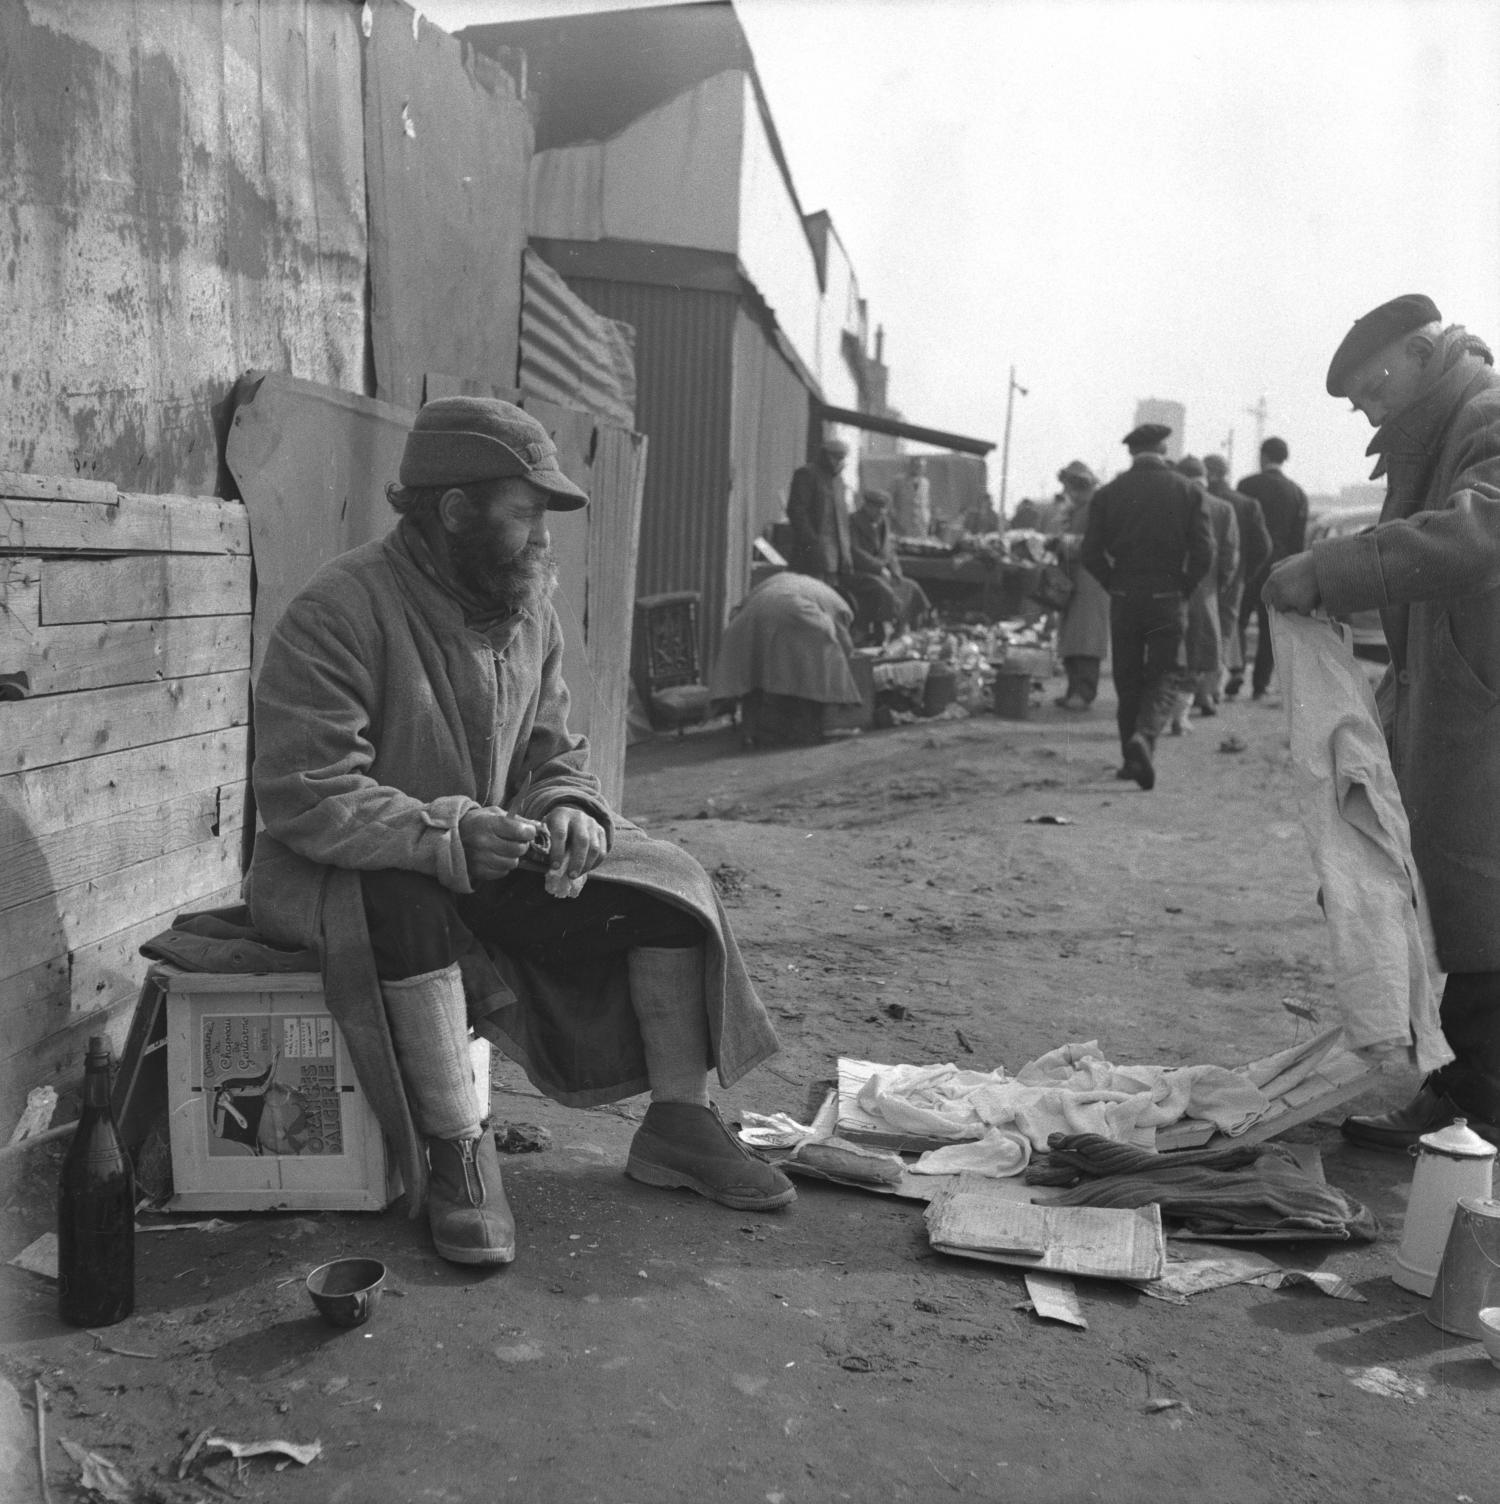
point(1283, 503)
point(818, 513)
point(1254, 557)
point(1432, 568)
point(1148, 543)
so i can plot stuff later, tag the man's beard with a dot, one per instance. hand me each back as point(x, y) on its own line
point(508, 582)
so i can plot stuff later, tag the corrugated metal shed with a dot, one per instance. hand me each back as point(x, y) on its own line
point(771, 412)
point(684, 351)
point(571, 354)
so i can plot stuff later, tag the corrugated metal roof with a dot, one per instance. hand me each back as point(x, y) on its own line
point(570, 353)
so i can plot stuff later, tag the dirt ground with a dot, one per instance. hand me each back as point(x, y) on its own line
point(894, 904)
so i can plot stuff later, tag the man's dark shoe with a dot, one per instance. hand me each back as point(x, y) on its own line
point(467, 1212)
point(1123, 773)
point(1138, 762)
point(1398, 1130)
point(680, 1144)
point(1232, 688)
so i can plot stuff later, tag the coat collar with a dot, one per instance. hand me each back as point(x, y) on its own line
point(1408, 436)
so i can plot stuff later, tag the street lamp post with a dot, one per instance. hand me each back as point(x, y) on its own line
point(1010, 403)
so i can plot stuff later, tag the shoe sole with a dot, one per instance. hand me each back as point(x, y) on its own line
point(495, 1256)
point(1403, 1145)
point(671, 1180)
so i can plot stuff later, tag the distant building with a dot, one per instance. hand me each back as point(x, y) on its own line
point(1160, 410)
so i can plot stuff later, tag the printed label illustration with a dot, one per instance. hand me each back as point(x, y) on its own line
point(270, 1084)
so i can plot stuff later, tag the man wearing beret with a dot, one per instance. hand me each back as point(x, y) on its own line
point(432, 827)
point(818, 513)
point(1283, 503)
point(1432, 568)
point(1148, 543)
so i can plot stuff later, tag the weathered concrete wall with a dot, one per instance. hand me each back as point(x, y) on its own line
point(184, 193)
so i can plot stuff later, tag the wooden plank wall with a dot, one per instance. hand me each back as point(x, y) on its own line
point(123, 770)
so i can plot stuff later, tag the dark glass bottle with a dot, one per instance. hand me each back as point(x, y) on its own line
point(96, 1209)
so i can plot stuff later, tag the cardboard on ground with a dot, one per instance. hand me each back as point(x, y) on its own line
point(968, 1219)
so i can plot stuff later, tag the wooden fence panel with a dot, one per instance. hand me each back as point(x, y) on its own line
point(123, 793)
point(138, 587)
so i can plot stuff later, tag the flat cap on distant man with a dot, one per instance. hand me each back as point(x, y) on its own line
point(459, 440)
point(831, 445)
point(1147, 436)
point(1376, 330)
point(1192, 467)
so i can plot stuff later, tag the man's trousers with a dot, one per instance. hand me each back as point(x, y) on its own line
point(1145, 642)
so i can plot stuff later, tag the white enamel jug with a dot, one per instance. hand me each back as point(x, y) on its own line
point(1451, 1162)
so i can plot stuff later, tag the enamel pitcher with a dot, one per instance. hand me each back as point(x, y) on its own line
point(1452, 1162)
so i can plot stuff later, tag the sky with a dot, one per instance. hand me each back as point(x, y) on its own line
point(1123, 199)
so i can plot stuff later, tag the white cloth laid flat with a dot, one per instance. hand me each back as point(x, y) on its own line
point(1385, 975)
point(1073, 1089)
point(1001, 1153)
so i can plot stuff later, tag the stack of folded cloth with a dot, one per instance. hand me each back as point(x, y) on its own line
point(1251, 1188)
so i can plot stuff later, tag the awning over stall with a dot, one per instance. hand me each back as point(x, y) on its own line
point(897, 429)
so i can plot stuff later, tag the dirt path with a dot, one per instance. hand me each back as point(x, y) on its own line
point(894, 903)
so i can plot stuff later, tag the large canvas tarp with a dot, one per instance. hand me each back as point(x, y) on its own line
point(448, 151)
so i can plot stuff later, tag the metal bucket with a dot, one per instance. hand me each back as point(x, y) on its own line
point(1469, 1277)
point(1012, 694)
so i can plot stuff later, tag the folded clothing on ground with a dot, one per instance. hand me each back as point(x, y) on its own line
point(1225, 1192)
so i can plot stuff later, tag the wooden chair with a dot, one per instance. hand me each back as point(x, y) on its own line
point(665, 650)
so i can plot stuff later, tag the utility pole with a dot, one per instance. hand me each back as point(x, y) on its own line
point(1229, 455)
point(1010, 402)
point(1260, 412)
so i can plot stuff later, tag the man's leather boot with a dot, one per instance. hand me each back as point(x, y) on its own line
point(1398, 1130)
point(680, 1144)
point(467, 1211)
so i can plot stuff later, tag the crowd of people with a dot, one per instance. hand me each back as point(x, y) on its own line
point(433, 828)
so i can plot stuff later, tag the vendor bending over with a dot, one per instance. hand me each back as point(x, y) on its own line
point(412, 761)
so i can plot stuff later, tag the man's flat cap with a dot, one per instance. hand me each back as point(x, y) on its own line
point(835, 446)
point(1147, 436)
point(1192, 467)
point(1077, 470)
point(876, 497)
point(459, 440)
point(1376, 330)
point(1216, 465)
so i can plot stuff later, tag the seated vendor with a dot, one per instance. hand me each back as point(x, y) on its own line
point(784, 658)
point(886, 602)
point(433, 828)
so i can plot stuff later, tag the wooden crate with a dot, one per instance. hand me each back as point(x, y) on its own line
point(266, 1112)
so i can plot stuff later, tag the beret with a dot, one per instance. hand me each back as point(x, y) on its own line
point(1077, 470)
point(1376, 330)
point(1147, 435)
point(457, 440)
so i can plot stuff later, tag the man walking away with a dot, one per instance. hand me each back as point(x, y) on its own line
point(1284, 505)
point(1148, 543)
point(1255, 555)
